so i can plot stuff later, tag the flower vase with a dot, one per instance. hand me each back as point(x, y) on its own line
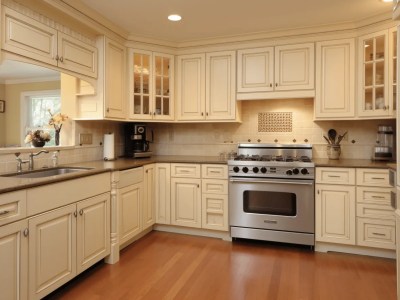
point(38, 144)
point(57, 137)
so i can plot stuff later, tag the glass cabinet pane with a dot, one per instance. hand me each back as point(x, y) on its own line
point(158, 106)
point(141, 83)
point(162, 85)
point(166, 106)
point(158, 85)
point(137, 104)
point(369, 50)
point(380, 98)
point(146, 105)
point(379, 73)
point(368, 99)
point(380, 47)
point(368, 73)
point(166, 67)
point(166, 86)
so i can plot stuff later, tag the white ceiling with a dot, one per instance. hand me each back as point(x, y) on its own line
point(203, 19)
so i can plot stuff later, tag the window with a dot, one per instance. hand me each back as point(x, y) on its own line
point(36, 106)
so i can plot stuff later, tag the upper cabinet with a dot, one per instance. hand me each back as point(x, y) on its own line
point(151, 85)
point(377, 74)
point(27, 37)
point(335, 80)
point(276, 72)
point(206, 87)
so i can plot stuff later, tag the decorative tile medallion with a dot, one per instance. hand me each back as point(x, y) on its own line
point(275, 122)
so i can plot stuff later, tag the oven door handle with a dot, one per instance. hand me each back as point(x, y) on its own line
point(272, 181)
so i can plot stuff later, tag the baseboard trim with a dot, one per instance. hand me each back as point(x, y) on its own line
point(328, 247)
point(224, 235)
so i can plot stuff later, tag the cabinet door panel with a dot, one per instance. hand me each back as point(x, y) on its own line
point(215, 212)
point(27, 37)
point(14, 261)
point(129, 211)
point(148, 217)
point(220, 85)
point(191, 87)
point(52, 250)
point(163, 193)
point(255, 70)
point(376, 233)
point(186, 202)
point(335, 214)
point(93, 234)
point(294, 67)
point(335, 87)
point(77, 56)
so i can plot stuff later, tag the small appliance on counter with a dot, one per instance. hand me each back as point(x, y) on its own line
point(136, 143)
point(384, 144)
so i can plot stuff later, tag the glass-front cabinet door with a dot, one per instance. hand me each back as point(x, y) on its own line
point(377, 74)
point(151, 85)
point(163, 85)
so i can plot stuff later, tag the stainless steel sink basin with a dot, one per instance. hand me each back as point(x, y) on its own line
point(46, 172)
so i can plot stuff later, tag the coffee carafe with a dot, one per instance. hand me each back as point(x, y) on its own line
point(136, 143)
point(384, 143)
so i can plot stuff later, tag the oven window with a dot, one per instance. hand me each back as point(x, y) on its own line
point(270, 203)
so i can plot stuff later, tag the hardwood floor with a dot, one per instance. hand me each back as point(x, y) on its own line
point(172, 266)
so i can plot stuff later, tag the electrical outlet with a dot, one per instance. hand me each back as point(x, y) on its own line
point(85, 139)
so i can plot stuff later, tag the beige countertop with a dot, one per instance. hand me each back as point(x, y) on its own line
point(8, 184)
point(352, 163)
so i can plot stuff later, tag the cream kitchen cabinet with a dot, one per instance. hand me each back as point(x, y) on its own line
point(186, 195)
point(130, 197)
point(377, 74)
point(151, 85)
point(114, 82)
point(25, 36)
point(206, 87)
point(163, 193)
point(335, 80)
point(335, 216)
point(148, 211)
point(214, 194)
point(276, 72)
point(66, 241)
point(14, 260)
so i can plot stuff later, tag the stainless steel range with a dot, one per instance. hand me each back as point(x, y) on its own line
point(271, 193)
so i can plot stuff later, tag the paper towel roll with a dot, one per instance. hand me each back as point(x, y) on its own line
point(109, 146)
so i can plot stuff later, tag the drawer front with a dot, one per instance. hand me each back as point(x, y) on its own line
point(129, 177)
point(212, 186)
point(375, 211)
point(373, 177)
point(185, 170)
point(376, 233)
point(373, 195)
point(12, 207)
point(336, 176)
point(214, 171)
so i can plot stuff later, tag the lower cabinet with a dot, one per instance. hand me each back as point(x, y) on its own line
point(66, 241)
point(14, 261)
point(163, 193)
point(186, 202)
point(148, 211)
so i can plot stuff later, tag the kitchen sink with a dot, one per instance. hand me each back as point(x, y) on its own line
point(46, 172)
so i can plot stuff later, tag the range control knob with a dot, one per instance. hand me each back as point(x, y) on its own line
point(296, 171)
point(263, 170)
point(304, 171)
point(236, 169)
point(255, 169)
point(245, 169)
point(289, 172)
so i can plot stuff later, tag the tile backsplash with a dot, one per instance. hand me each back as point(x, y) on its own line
point(211, 139)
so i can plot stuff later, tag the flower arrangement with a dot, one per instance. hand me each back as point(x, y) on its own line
point(38, 138)
point(57, 120)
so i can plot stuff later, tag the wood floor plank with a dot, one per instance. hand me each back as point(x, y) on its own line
point(172, 266)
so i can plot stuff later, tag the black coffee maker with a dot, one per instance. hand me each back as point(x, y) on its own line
point(136, 143)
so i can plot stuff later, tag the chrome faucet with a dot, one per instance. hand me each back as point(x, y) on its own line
point(31, 165)
point(20, 161)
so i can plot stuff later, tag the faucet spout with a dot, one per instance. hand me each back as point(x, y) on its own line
point(32, 155)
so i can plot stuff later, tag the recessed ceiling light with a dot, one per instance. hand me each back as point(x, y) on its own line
point(387, 0)
point(174, 18)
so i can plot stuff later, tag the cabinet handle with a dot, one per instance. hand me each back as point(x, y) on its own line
point(211, 171)
point(198, 185)
point(57, 58)
point(75, 214)
point(378, 197)
point(108, 110)
point(61, 59)
point(4, 212)
point(270, 85)
point(202, 114)
point(207, 114)
point(26, 232)
point(384, 108)
point(378, 234)
point(81, 212)
point(154, 113)
point(318, 192)
point(379, 178)
point(334, 176)
point(276, 84)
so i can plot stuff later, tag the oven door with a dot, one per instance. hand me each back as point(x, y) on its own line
point(275, 204)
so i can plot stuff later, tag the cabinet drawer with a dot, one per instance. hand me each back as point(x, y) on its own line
point(212, 186)
point(12, 207)
point(373, 195)
point(375, 211)
point(185, 170)
point(129, 177)
point(373, 177)
point(214, 171)
point(376, 233)
point(336, 176)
